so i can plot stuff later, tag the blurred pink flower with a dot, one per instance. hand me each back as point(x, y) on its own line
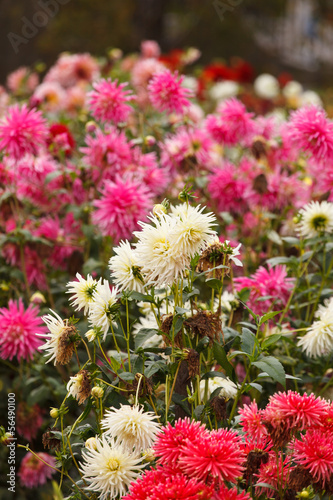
point(166, 92)
point(34, 472)
point(22, 130)
point(123, 203)
point(109, 101)
point(18, 328)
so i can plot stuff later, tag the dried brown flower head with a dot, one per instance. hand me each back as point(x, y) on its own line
point(205, 324)
point(68, 341)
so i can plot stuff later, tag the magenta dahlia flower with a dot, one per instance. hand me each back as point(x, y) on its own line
point(232, 494)
point(271, 282)
point(161, 484)
point(314, 451)
point(123, 203)
point(29, 420)
point(34, 472)
point(251, 421)
point(166, 92)
point(219, 455)
point(109, 101)
point(169, 441)
point(311, 130)
point(22, 130)
point(18, 328)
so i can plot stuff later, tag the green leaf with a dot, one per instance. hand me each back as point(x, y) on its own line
point(202, 344)
point(221, 358)
point(268, 316)
point(273, 367)
point(291, 240)
point(253, 314)
point(154, 367)
point(141, 296)
point(215, 284)
point(258, 387)
point(39, 395)
point(143, 335)
point(213, 375)
point(275, 261)
point(181, 401)
point(275, 237)
point(181, 310)
point(248, 341)
point(272, 339)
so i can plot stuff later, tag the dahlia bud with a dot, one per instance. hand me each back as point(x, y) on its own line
point(159, 209)
point(37, 298)
point(91, 127)
point(304, 494)
point(97, 392)
point(150, 140)
point(5, 437)
point(91, 335)
point(115, 54)
point(54, 413)
point(148, 455)
point(91, 444)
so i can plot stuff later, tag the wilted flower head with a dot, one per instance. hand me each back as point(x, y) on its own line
point(79, 386)
point(61, 339)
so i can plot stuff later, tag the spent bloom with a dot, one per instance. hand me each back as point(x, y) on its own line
point(166, 92)
point(132, 426)
point(109, 469)
point(33, 472)
point(79, 386)
point(22, 130)
point(109, 101)
point(316, 218)
point(19, 329)
point(122, 204)
point(82, 292)
point(125, 268)
point(60, 339)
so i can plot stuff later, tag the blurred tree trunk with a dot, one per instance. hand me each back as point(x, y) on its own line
point(148, 19)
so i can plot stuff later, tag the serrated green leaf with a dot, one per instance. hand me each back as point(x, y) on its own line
point(268, 316)
point(273, 367)
point(221, 358)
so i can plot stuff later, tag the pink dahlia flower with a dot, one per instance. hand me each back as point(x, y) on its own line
point(22, 130)
point(310, 130)
point(71, 69)
point(28, 420)
point(314, 451)
point(166, 92)
point(123, 203)
point(272, 282)
point(251, 421)
point(150, 48)
point(295, 411)
point(109, 101)
point(228, 189)
point(225, 494)
point(272, 474)
point(18, 328)
point(219, 455)
point(169, 441)
point(161, 484)
point(34, 472)
point(232, 125)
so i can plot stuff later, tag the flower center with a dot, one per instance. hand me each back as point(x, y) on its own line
point(113, 464)
point(320, 222)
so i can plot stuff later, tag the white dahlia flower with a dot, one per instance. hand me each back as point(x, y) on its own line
point(125, 269)
point(318, 341)
point(228, 387)
point(104, 306)
point(83, 291)
point(316, 218)
point(266, 86)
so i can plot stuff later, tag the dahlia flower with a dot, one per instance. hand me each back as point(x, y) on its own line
point(125, 268)
point(271, 282)
point(79, 386)
point(169, 442)
point(316, 218)
point(29, 420)
point(109, 469)
point(104, 306)
point(19, 329)
point(230, 494)
point(314, 451)
point(228, 189)
point(227, 386)
point(161, 484)
point(72, 69)
point(132, 426)
point(266, 86)
point(309, 129)
point(34, 472)
point(57, 345)
point(273, 474)
point(122, 204)
point(82, 292)
point(166, 92)
point(22, 130)
point(251, 421)
point(109, 101)
point(318, 341)
point(216, 455)
point(294, 411)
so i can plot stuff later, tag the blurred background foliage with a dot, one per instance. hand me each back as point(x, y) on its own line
point(219, 28)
